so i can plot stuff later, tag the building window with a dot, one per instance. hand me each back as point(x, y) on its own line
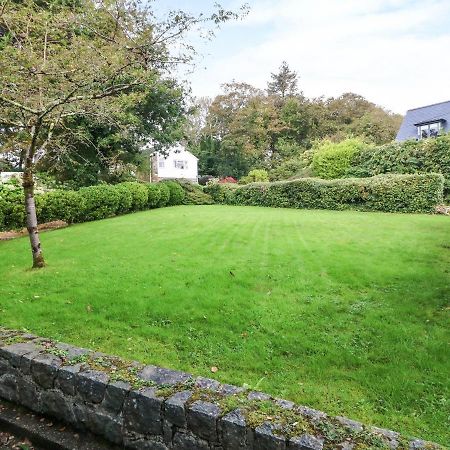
point(161, 163)
point(429, 130)
point(180, 165)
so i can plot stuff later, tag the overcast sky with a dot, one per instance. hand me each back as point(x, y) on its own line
point(394, 52)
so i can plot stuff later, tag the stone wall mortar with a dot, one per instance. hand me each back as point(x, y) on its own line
point(147, 407)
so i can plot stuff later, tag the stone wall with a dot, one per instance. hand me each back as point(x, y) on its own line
point(148, 407)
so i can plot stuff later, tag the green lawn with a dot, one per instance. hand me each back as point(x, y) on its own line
point(347, 312)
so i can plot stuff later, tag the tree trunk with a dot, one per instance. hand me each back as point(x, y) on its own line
point(21, 159)
point(30, 208)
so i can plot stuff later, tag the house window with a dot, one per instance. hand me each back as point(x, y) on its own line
point(161, 163)
point(435, 128)
point(429, 130)
point(180, 165)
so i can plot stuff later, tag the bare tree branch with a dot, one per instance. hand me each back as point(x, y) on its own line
point(10, 123)
point(18, 105)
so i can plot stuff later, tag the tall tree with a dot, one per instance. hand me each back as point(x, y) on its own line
point(223, 138)
point(284, 83)
point(196, 120)
point(112, 151)
point(353, 115)
point(62, 60)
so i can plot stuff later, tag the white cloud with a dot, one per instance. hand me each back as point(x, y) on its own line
point(387, 50)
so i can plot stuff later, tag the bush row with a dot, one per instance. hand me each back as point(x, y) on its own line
point(390, 193)
point(426, 155)
point(89, 203)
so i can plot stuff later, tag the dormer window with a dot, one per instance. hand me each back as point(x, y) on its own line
point(426, 130)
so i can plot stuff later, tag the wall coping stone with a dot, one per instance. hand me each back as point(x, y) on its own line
point(148, 407)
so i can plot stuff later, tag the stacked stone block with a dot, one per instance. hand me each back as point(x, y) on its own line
point(162, 411)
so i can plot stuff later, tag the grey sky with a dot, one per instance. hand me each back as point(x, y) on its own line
point(394, 52)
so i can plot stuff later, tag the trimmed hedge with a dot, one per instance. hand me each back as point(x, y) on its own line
point(12, 210)
point(390, 193)
point(153, 195)
point(195, 195)
point(100, 202)
point(139, 195)
point(125, 200)
point(59, 205)
point(176, 193)
point(89, 203)
point(164, 195)
point(424, 156)
point(222, 193)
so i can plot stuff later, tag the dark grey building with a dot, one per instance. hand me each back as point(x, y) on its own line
point(428, 121)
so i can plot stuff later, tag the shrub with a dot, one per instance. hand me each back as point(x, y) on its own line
point(58, 205)
point(198, 198)
point(153, 195)
point(139, 194)
point(255, 176)
point(203, 180)
point(195, 195)
point(221, 193)
point(124, 199)
point(295, 167)
point(94, 202)
point(428, 155)
point(332, 160)
point(164, 195)
point(176, 196)
point(2, 215)
point(99, 202)
point(405, 193)
point(391, 193)
point(12, 216)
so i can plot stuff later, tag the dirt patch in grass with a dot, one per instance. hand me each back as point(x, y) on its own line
point(7, 235)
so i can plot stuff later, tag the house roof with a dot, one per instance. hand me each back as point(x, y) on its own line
point(422, 116)
point(178, 149)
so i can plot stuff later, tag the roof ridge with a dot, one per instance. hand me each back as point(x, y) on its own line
point(428, 106)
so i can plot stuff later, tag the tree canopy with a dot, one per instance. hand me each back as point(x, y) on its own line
point(81, 71)
point(283, 83)
point(247, 128)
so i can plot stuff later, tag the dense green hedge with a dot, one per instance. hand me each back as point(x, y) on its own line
point(333, 160)
point(222, 193)
point(139, 195)
point(427, 155)
point(153, 196)
point(89, 203)
point(176, 193)
point(164, 195)
point(195, 195)
point(59, 205)
point(12, 211)
point(391, 193)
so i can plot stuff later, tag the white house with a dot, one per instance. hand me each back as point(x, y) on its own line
point(7, 176)
point(179, 164)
